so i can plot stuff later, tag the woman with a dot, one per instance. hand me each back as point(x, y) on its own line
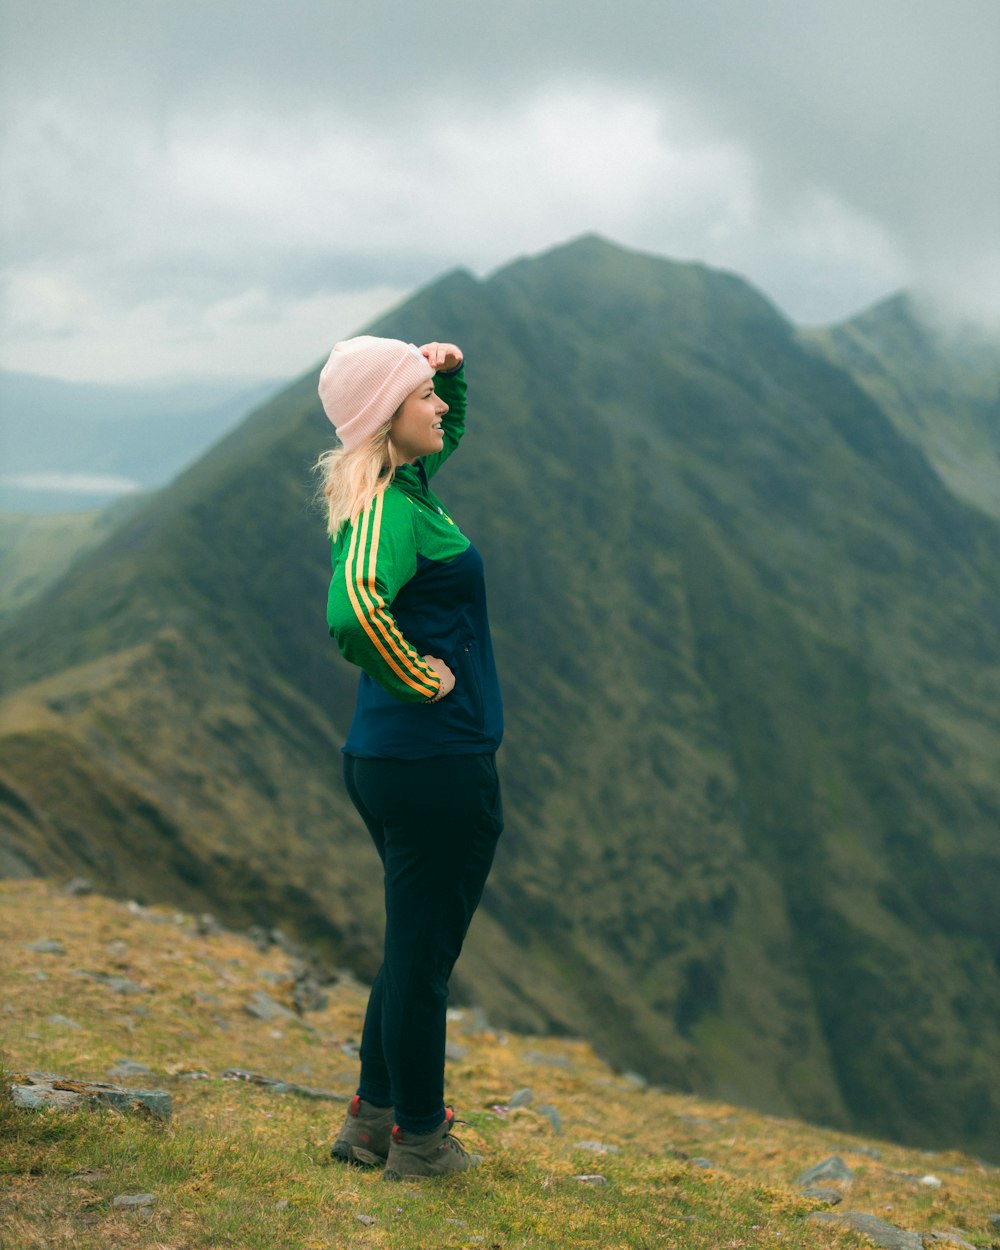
point(408, 605)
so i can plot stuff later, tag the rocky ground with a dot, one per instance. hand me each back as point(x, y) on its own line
point(169, 1083)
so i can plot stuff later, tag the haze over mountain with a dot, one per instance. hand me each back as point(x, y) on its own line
point(749, 645)
point(79, 445)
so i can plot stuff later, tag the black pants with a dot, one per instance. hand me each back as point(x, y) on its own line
point(435, 824)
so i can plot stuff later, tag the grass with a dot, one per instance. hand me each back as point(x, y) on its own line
point(722, 592)
point(36, 549)
point(241, 1166)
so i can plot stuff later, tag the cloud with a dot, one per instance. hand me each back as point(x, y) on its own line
point(177, 174)
point(81, 333)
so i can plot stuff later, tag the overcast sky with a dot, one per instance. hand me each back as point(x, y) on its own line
point(194, 186)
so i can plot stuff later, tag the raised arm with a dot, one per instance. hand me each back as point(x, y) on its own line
point(449, 382)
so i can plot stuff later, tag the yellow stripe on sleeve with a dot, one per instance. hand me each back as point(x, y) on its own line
point(383, 616)
point(369, 607)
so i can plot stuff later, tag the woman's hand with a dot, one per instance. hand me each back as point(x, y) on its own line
point(444, 356)
point(446, 675)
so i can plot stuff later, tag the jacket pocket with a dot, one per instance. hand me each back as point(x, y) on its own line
point(468, 668)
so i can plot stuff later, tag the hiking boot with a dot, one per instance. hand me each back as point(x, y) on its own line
point(365, 1138)
point(427, 1154)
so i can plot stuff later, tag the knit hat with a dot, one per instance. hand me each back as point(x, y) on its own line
point(364, 382)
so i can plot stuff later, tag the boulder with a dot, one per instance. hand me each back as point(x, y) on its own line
point(35, 1090)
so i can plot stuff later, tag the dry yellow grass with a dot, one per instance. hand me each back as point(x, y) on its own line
point(243, 1166)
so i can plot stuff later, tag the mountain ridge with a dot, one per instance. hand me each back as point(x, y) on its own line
point(939, 386)
point(748, 644)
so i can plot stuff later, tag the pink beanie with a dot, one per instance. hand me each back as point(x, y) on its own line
point(364, 382)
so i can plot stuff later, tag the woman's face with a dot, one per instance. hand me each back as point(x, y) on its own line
point(416, 427)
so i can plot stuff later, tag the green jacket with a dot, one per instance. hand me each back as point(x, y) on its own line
point(407, 583)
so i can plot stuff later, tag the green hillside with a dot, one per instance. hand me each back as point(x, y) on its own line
point(749, 648)
point(36, 549)
point(939, 385)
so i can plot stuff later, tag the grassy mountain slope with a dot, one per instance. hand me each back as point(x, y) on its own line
point(748, 642)
point(940, 386)
point(592, 1160)
point(36, 549)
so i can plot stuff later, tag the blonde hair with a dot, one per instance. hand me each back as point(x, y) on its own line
point(351, 479)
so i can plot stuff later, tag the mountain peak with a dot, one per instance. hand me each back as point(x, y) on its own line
point(614, 290)
point(747, 640)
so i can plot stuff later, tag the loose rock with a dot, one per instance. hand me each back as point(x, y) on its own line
point(283, 942)
point(35, 1090)
point(832, 1196)
point(591, 1178)
point(117, 985)
point(263, 1007)
point(551, 1114)
point(832, 1169)
point(260, 937)
point(952, 1236)
point(552, 1061)
point(134, 1200)
point(62, 1022)
point(281, 1087)
point(910, 1178)
point(696, 1121)
point(478, 1021)
point(125, 1068)
point(599, 1147)
point(47, 946)
point(888, 1236)
point(124, 985)
point(306, 992)
point(521, 1098)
